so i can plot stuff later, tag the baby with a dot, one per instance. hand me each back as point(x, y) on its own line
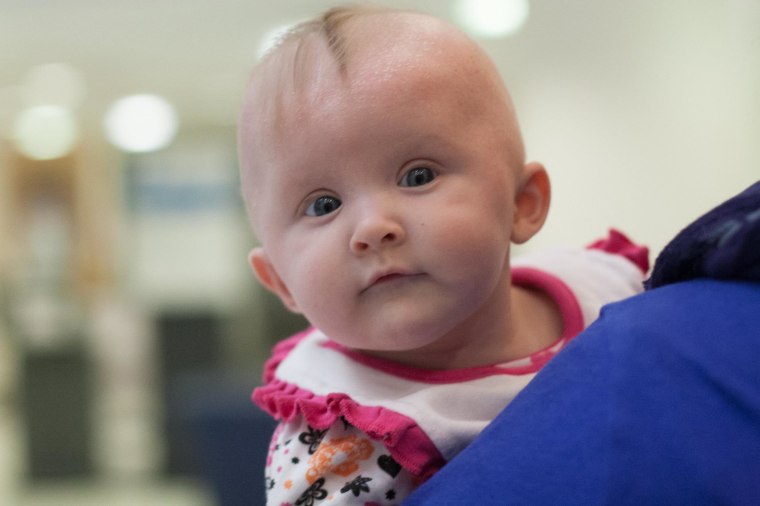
point(384, 172)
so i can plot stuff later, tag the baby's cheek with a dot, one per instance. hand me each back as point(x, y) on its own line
point(476, 249)
point(475, 233)
point(321, 290)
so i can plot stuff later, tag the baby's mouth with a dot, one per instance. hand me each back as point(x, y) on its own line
point(390, 278)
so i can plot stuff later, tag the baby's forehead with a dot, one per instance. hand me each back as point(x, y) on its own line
point(407, 53)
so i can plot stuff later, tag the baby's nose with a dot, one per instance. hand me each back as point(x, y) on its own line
point(375, 233)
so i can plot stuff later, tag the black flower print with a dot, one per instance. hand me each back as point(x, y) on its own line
point(312, 494)
point(312, 438)
point(390, 495)
point(268, 483)
point(357, 486)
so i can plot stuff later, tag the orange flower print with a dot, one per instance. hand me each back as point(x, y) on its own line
point(340, 456)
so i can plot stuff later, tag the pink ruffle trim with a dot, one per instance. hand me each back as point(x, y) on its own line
point(280, 351)
point(619, 244)
point(404, 439)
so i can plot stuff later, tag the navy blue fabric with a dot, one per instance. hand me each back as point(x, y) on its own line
point(658, 402)
point(722, 244)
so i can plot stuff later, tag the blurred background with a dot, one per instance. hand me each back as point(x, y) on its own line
point(131, 332)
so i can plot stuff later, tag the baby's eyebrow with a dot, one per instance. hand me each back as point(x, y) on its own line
point(304, 181)
point(421, 144)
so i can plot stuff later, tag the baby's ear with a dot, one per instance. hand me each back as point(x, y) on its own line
point(267, 275)
point(531, 202)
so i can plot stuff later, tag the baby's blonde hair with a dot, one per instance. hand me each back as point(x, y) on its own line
point(331, 26)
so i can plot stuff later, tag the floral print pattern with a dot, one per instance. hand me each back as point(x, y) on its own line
point(340, 456)
point(340, 465)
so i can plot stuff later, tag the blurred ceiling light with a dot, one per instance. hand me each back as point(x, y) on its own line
point(45, 132)
point(140, 123)
point(272, 37)
point(54, 84)
point(491, 18)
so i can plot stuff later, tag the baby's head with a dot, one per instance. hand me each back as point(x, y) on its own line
point(384, 171)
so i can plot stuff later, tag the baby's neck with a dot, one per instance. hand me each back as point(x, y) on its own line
point(537, 322)
point(530, 321)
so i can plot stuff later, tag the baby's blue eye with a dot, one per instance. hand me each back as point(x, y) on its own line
point(322, 205)
point(418, 177)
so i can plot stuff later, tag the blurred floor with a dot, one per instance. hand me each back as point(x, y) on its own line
point(179, 493)
point(10, 456)
point(71, 492)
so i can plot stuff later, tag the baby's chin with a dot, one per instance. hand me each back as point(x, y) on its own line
point(396, 334)
point(411, 350)
point(387, 349)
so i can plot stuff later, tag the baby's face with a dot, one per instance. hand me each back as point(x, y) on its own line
point(386, 207)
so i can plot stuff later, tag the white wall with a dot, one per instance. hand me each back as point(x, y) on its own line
point(646, 113)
